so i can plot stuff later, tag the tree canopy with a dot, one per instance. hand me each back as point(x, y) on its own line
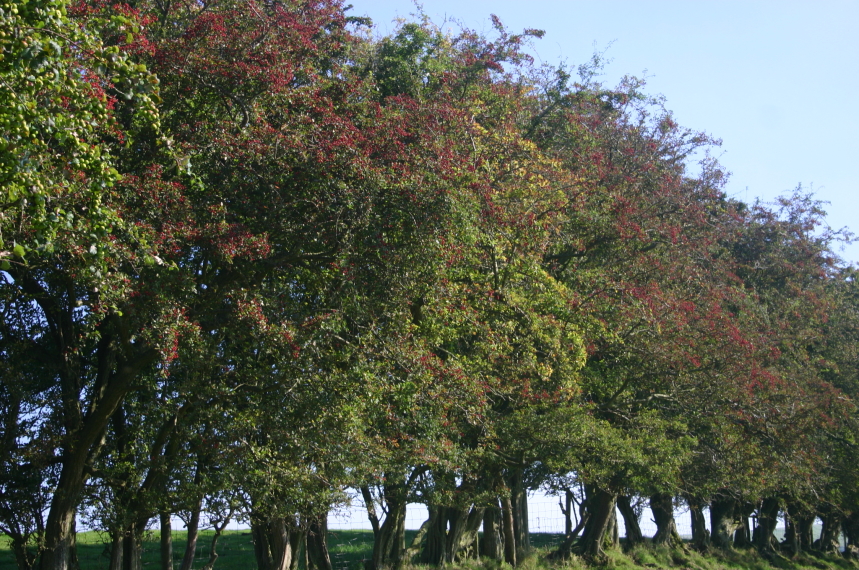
point(253, 256)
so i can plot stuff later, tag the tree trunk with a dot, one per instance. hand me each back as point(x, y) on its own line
point(601, 507)
point(434, 546)
point(262, 546)
point(851, 529)
point(566, 548)
point(630, 522)
point(743, 534)
point(519, 502)
point(132, 548)
point(317, 545)
point(276, 542)
point(371, 510)
point(86, 435)
point(61, 517)
point(568, 512)
point(462, 541)
point(390, 544)
point(791, 532)
point(116, 549)
point(166, 541)
point(765, 540)
point(662, 506)
point(831, 534)
point(722, 522)
point(213, 548)
point(508, 531)
point(700, 534)
point(805, 526)
point(191, 544)
point(491, 545)
point(612, 533)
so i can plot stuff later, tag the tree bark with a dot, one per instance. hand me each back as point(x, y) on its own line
point(508, 531)
point(132, 548)
point(764, 539)
point(791, 532)
point(86, 437)
point(166, 541)
point(601, 507)
point(831, 534)
point(450, 531)
point(662, 506)
point(491, 545)
point(276, 542)
point(722, 521)
point(370, 505)
point(116, 549)
point(262, 546)
point(85, 433)
point(568, 512)
point(851, 529)
point(317, 544)
point(634, 535)
point(743, 534)
point(700, 534)
point(390, 544)
point(519, 502)
point(805, 527)
point(462, 538)
point(612, 533)
point(191, 544)
point(434, 546)
point(213, 552)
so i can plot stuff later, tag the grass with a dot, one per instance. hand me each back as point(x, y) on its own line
point(350, 548)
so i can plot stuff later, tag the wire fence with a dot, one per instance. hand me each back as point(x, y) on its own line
point(544, 516)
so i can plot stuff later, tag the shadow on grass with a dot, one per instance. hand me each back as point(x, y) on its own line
point(350, 548)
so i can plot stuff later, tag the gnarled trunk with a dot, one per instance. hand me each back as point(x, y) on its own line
point(491, 545)
point(722, 521)
point(85, 435)
point(276, 542)
point(450, 531)
point(317, 544)
point(764, 538)
point(601, 509)
point(390, 544)
point(700, 534)
point(831, 533)
point(634, 535)
point(743, 534)
point(59, 534)
point(662, 506)
point(519, 503)
point(791, 532)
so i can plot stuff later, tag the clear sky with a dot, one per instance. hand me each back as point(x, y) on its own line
point(777, 81)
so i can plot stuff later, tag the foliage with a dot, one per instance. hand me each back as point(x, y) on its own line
point(253, 256)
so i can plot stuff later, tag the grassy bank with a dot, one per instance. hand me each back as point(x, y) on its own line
point(350, 548)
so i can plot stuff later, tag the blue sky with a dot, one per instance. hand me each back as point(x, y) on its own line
point(777, 81)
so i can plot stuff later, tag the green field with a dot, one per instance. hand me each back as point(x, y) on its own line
point(350, 548)
point(235, 549)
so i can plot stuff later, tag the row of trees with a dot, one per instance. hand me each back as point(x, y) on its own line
point(253, 256)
